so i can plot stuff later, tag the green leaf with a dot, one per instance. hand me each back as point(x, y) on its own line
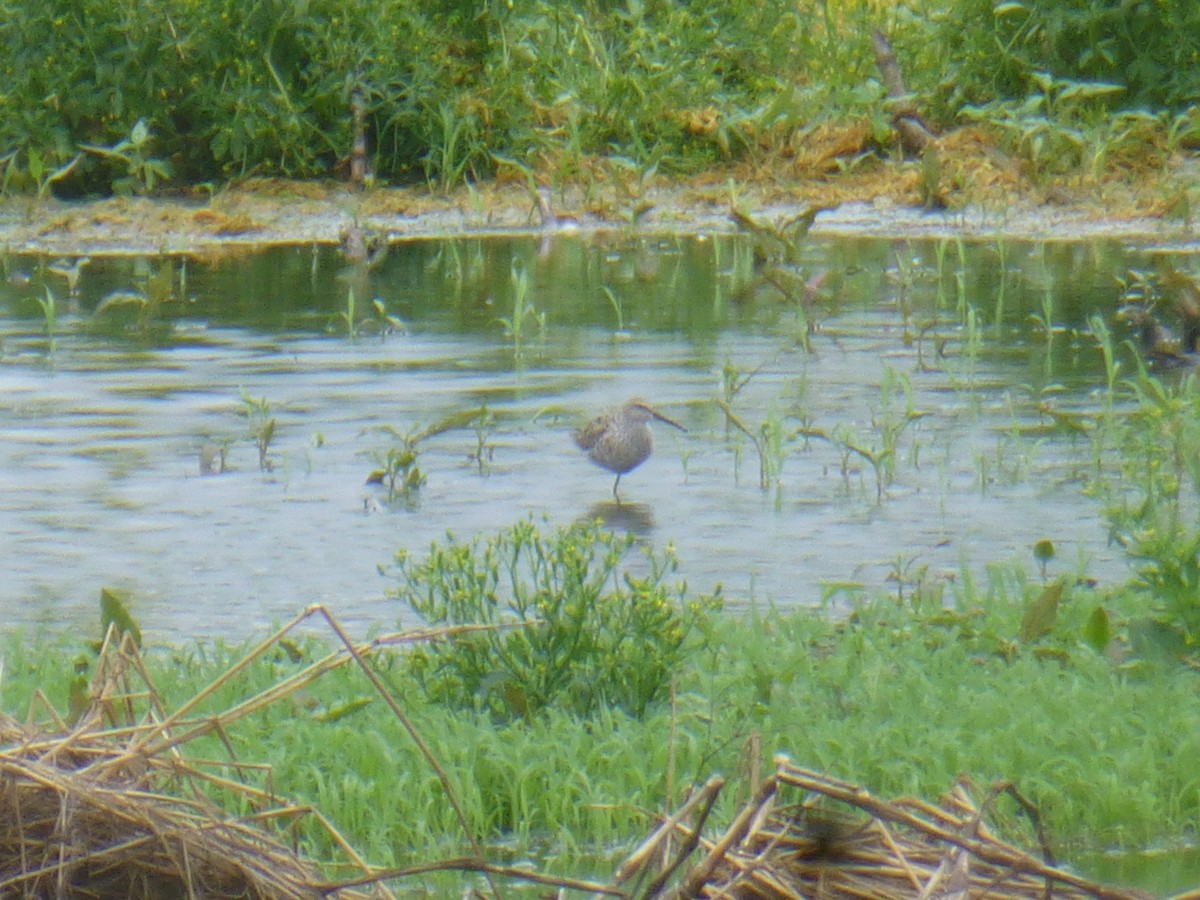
point(1055, 654)
point(294, 651)
point(1097, 631)
point(335, 713)
point(78, 698)
point(119, 300)
point(37, 167)
point(113, 612)
point(1086, 90)
point(1040, 615)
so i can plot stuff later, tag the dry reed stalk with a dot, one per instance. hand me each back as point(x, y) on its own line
point(114, 806)
point(840, 843)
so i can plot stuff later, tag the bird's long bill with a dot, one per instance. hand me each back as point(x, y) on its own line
point(662, 418)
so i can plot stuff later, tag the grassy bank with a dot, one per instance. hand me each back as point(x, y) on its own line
point(900, 699)
point(124, 97)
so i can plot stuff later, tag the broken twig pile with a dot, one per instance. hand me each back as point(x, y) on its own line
point(840, 842)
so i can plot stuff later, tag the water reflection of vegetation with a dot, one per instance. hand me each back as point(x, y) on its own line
point(771, 278)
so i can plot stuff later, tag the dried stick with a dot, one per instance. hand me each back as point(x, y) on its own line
point(697, 876)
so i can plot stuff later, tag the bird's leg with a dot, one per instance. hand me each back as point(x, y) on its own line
point(615, 494)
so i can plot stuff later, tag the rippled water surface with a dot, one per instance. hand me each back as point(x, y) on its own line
point(102, 428)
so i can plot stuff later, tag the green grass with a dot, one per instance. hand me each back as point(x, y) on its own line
point(116, 97)
point(902, 706)
point(901, 700)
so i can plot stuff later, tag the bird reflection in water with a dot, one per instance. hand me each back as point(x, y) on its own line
point(635, 518)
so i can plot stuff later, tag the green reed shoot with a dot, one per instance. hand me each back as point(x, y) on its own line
point(1043, 319)
point(998, 311)
point(1140, 286)
point(940, 254)
point(960, 279)
point(373, 320)
point(912, 573)
point(889, 421)
point(349, 314)
point(398, 460)
point(972, 343)
point(889, 424)
point(1112, 366)
point(400, 473)
point(49, 309)
point(484, 423)
point(766, 437)
point(615, 302)
point(262, 427)
point(983, 471)
point(904, 276)
point(774, 452)
point(850, 447)
point(523, 313)
point(733, 380)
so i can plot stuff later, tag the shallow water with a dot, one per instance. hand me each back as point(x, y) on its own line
point(1164, 873)
point(102, 430)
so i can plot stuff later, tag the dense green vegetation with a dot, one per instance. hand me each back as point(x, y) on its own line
point(607, 638)
point(104, 96)
point(900, 697)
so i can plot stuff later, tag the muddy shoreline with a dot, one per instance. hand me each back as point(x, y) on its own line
point(241, 220)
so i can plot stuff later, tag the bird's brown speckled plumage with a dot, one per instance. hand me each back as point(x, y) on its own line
point(620, 440)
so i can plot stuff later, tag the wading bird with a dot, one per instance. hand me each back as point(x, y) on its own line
point(620, 440)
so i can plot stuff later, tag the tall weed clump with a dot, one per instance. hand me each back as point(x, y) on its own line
point(1150, 52)
point(1152, 504)
point(227, 90)
point(578, 626)
point(448, 91)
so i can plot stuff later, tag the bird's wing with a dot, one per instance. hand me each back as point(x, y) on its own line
point(587, 436)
